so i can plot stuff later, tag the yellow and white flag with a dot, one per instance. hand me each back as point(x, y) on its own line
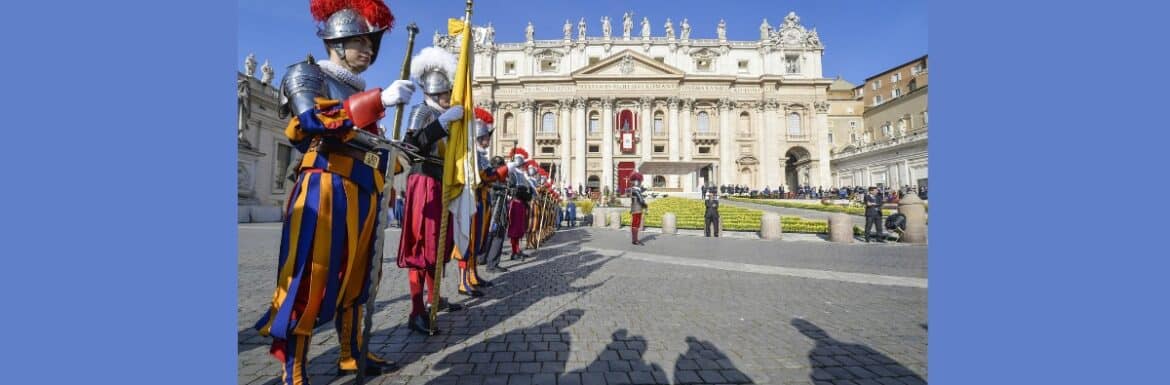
point(459, 164)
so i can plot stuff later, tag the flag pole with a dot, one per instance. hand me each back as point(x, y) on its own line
point(440, 256)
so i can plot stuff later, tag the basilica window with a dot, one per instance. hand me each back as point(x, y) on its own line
point(704, 149)
point(745, 124)
point(886, 130)
point(508, 122)
point(548, 65)
point(548, 122)
point(594, 124)
point(659, 181)
point(703, 64)
point(704, 122)
point(547, 150)
point(509, 68)
point(658, 126)
point(792, 64)
point(658, 149)
point(794, 124)
point(593, 148)
point(743, 66)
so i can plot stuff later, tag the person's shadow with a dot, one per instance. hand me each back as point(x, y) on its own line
point(833, 360)
point(705, 363)
point(621, 362)
point(538, 353)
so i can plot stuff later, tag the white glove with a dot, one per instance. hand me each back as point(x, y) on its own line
point(452, 114)
point(398, 92)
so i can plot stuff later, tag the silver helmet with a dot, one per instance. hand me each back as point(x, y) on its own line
point(348, 23)
point(434, 81)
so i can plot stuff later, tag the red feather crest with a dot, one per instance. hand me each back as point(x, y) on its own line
point(483, 115)
point(376, 12)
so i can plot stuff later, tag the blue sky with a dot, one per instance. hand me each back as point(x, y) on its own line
point(861, 37)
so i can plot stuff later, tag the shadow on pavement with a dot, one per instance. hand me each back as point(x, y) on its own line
point(834, 360)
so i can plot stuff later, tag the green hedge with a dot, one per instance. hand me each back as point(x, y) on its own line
point(832, 208)
point(689, 215)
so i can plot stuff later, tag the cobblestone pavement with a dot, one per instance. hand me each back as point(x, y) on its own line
point(592, 309)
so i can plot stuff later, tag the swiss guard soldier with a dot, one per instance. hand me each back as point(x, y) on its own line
point(637, 206)
point(518, 211)
point(327, 240)
point(468, 276)
point(433, 68)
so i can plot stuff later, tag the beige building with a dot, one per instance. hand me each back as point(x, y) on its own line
point(594, 106)
point(892, 149)
point(264, 153)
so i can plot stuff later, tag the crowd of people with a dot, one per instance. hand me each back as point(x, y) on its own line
point(853, 193)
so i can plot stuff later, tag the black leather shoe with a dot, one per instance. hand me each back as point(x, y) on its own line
point(373, 368)
point(445, 306)
point(499, 268)
point(471, 293)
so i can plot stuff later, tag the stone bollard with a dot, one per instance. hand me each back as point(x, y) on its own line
point(615, 220)
point(598, 218)
point(669, 224)
point(911, 206)
point(840, 228)
point(770, 226)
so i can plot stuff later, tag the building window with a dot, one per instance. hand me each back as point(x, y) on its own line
point(913, 84)
point(659, 128)
point(896, 77)
point(830, 137)
point(852, 125)
point(704, 122)
point(547, 150)
point(508, 122)
point(593, 60)
point(923, 118)
point(659, 181)
point(743, 66)
point(901, 126)
point(860, 91)
point(886, 130)
point(745, 124)
point(283, 158)
point(660, 59)
point(877, 99)
point(876, 84)
point(895, 93)
point(703, 64)
point(704, 149)
point(659, 149)
point(594, 123)
point(548, 65)
point(792, 64)
point(794, 124)
point(509, 68)
point(594, 148)
point(548, 122)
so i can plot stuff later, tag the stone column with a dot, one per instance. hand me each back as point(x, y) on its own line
point(758, 130)
point(821, 130)
point(647, 132)
point(687, 142)
point(607, 143)
point(726, 141)
point(566, 142)
point(773, 168)
point(905, 174)
point(581, 121)
point(526, 132)
point(672, 139)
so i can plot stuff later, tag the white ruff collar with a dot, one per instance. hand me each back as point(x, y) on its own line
point(341, 73)
point(434, 104)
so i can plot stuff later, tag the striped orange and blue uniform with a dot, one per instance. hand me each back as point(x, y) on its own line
point(326, 242)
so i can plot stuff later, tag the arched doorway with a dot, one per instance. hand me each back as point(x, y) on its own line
point(796, 164)
point(593, 183)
